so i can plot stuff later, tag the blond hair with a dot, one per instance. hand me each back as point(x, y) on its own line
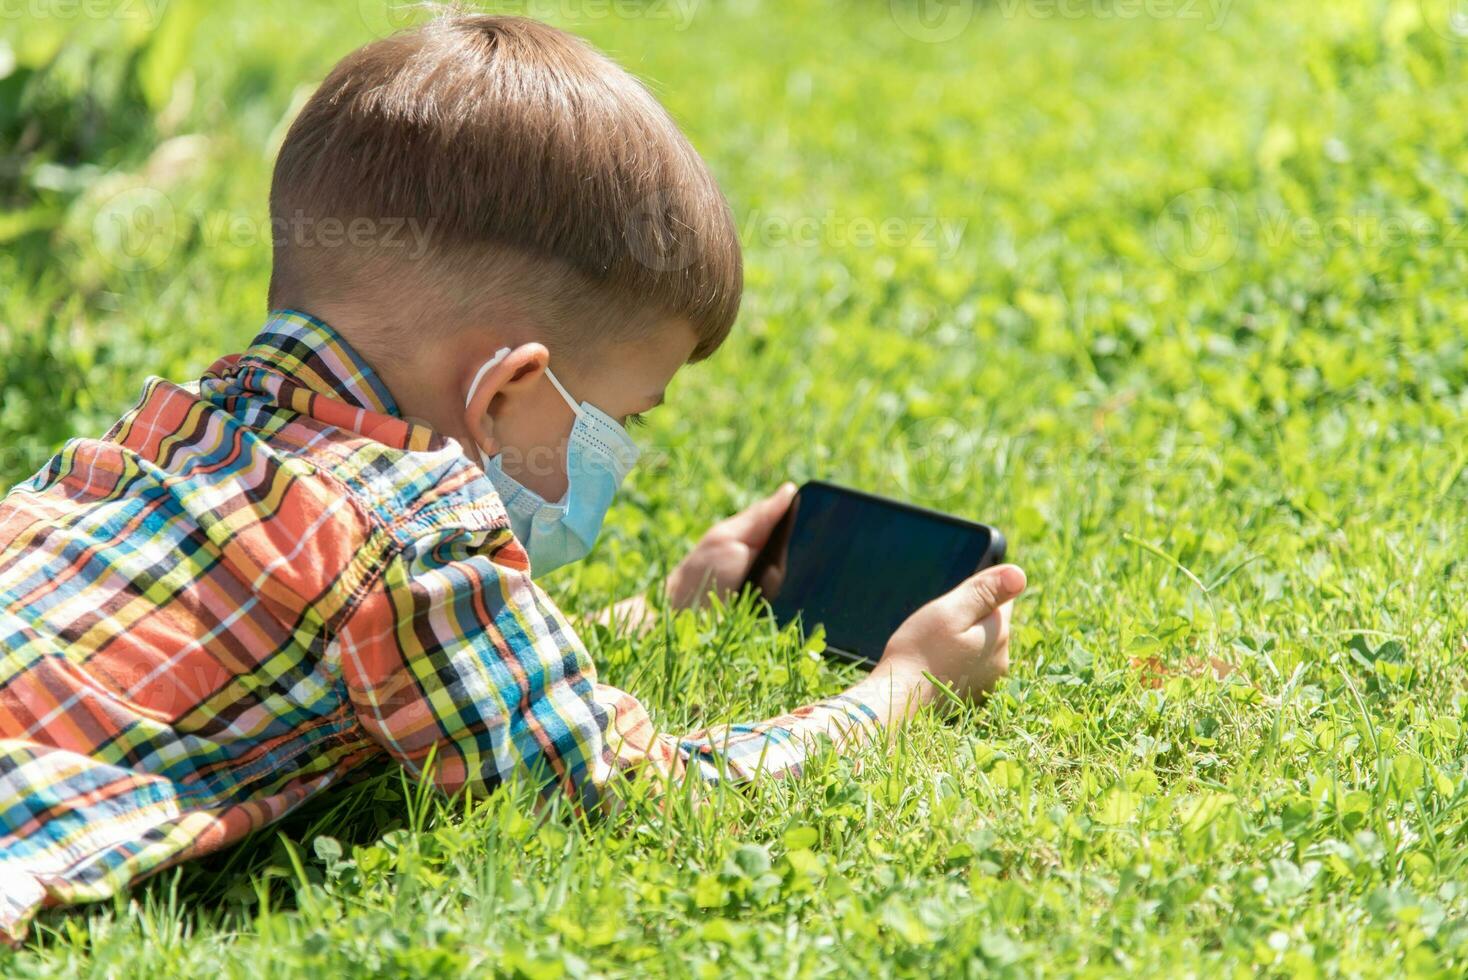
point(538, 170)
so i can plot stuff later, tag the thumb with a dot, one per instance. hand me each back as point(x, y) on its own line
point(753, 524)
point(981, 594)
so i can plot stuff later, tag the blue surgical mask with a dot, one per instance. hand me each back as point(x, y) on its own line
point(599, 454)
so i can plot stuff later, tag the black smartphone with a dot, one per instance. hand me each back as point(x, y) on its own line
point(859, 564)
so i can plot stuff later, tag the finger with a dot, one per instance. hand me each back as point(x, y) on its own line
point(754, 523)
point(992, 627)
point(985, 592)
point(991, 645)
point(771, 581)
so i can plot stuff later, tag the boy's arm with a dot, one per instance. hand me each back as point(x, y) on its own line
point(464, 671)
point(774, 747)
point(462, 659)
point(961, 639)
point(718, 563)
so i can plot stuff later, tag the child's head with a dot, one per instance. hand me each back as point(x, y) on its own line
point(484, 182)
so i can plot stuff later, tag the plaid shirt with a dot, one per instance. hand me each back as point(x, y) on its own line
point(257, 583)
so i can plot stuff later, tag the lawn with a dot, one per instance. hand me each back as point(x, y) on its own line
point(1171, 291)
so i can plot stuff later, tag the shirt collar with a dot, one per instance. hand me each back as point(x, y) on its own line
point(312, 354)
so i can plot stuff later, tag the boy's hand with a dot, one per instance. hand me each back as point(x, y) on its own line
point(961, 638)
point(720, 561)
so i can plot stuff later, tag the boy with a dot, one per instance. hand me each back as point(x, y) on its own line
point(321, 552)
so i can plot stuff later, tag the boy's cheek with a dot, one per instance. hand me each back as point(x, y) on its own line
point(541, 469)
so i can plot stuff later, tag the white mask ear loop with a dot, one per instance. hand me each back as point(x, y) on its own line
point(493, 362)
point(575, 405)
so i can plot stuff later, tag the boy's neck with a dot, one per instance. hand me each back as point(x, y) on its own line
point(427, 377)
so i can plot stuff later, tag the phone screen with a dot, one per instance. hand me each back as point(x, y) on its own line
point(860, 565)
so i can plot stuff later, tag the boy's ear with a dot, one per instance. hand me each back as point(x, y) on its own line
point(499, 381)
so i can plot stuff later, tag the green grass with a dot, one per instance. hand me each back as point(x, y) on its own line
point(1195, 342)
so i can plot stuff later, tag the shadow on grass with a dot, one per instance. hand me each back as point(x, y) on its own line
point(224, 889)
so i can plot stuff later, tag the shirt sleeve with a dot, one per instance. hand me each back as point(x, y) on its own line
point(461, 667)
